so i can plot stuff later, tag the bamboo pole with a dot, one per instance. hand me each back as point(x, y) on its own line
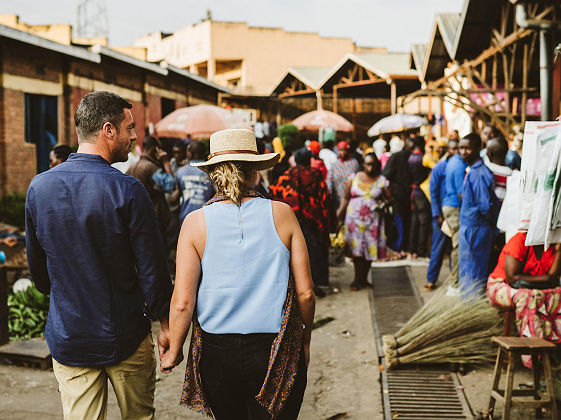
point(524, 84)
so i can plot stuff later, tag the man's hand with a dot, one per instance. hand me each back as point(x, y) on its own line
point(163, 342)
point(169, 361)
point(439, 220)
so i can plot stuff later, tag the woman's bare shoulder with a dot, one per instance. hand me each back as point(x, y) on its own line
point(195, 222)
point(282, 211)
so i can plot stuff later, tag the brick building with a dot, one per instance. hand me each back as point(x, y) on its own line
point(42, 82)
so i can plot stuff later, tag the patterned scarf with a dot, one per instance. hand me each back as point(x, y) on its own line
point(283, 361)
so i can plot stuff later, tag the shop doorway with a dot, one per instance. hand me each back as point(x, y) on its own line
point(41, 126)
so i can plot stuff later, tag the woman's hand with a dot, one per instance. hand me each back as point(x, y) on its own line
point(169, 361)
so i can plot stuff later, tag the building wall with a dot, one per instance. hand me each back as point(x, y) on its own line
point(261, 55)
point(26, 68)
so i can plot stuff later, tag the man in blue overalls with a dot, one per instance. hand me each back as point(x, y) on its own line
point(478, 218)
point(440, 242)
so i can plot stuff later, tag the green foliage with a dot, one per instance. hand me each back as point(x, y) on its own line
point(12, 209)
point(27, 313)
point(287, 134)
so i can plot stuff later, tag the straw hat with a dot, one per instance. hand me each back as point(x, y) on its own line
point(238, 145)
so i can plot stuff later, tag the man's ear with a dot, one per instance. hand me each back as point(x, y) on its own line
point(108, 130)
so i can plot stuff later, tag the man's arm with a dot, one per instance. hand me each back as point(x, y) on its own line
point(36, 258)
point(434, 189)
point(149, 254)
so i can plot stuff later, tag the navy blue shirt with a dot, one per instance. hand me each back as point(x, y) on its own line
point(93, 244)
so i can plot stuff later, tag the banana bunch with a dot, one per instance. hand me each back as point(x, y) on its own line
point(337, 240)
point(27, 313)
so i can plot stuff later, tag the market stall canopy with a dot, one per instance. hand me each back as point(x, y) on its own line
point(313, 121)
point(198, 121)
point(396, 123)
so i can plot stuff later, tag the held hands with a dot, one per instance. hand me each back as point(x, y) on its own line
point(167, 360)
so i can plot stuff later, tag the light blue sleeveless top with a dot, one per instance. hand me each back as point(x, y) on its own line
point(245, 269)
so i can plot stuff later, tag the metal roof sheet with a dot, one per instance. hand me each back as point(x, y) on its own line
point(27, 38)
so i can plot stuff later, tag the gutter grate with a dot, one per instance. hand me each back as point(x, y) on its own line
point(412, 393)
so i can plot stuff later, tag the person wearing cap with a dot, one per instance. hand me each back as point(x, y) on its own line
point(250, 343)
point(342, 170)
point(316, 161)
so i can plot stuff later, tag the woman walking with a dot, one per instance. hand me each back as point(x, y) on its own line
point(364, 225)
point(250, 342)
point(303, 188)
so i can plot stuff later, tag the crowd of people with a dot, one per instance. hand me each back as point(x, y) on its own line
point(247, 222)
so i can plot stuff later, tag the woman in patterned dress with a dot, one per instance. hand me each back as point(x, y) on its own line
point(364, 224)
point(526, 280)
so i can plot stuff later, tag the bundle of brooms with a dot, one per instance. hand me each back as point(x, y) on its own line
point(447, 329)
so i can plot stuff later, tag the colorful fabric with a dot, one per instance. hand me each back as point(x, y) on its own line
point(515, 247)
point(283, 361)
point(337, 177)
point(304, 189)
point(364, 226)
point(538, 312)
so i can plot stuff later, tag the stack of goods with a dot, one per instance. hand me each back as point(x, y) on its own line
point(447, 329)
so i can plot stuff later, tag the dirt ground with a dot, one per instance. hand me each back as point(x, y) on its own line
point(342, 379)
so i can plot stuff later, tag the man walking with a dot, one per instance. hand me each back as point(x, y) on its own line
point(478, 218)
point(194, 184)
point(93, 245)
point(440, 242)
point(154, 171)
point(398, 172)
point(454, 179)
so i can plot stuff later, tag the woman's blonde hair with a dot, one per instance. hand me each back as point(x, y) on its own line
point(230, 178)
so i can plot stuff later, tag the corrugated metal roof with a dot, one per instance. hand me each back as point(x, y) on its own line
point(27, 38)
point(310, 76)
point(94, 54)
point(417, 57)
point(385, 65)
point(448, 26)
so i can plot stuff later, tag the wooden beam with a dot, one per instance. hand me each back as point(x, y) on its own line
point(287, 94)
point(359, 83)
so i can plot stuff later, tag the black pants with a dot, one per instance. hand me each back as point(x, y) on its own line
point(420, 224)
point(318, 252)
point(233, 369)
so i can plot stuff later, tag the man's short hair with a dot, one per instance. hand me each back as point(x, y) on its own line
point(150, 142)
point(62, 151)
point(96, 109)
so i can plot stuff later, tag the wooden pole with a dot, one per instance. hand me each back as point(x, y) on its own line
point(335, 99)
point(524, 85)
point(393, 97)
point(494, 73)
point(506, 83)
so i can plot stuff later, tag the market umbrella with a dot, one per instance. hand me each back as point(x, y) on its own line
point(199, 121)
point(313, 121)
point(396, 123)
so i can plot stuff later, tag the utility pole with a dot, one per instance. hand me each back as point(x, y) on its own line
point(92, 19)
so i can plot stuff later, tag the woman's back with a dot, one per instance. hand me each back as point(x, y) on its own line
point(245, 270)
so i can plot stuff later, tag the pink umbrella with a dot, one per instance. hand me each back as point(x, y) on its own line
point(314, 120)
point(199, 121)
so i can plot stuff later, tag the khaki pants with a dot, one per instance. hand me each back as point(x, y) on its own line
point(83, 390)
point(452, 217)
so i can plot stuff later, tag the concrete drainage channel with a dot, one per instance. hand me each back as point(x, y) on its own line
point(409, 393)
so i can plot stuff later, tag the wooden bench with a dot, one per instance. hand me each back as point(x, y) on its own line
point(513, 348)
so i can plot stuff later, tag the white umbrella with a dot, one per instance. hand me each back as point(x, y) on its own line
point(396, 123)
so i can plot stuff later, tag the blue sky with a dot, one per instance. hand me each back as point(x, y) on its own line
point(395, 24)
